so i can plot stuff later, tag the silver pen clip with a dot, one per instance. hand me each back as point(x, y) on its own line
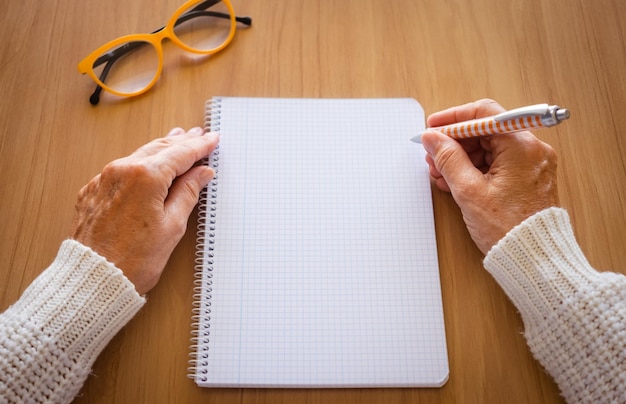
point(550, 115)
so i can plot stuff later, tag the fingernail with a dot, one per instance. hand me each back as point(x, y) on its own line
point(207, 175)
point(196, 131)
point(430, 141)
point(176, 132)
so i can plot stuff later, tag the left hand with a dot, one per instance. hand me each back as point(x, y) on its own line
point(135, 212)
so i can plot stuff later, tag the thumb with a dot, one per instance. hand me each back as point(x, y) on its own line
point(453, 167)
point(185, 191)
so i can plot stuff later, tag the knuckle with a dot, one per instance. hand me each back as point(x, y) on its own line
point(125, 168)
point(191, 191)
point(488, 106)
point(444, 155)
point(125, 173)
point(542, 150)
point(87, 190)
point(486, 101)
point(550, 152)
point(82, 193)
point(156, 145)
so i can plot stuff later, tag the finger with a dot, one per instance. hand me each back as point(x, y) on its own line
point(442, 184)
point(479, 151)
point(481, 159)
point(473, 110)
point(173, 137)
point(432, 169)
point(438, 179)
point(179, 157)
point(175, 132)
point(450, 160)
point(185, 192)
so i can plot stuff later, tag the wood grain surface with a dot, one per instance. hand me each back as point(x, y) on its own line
point(443, 53)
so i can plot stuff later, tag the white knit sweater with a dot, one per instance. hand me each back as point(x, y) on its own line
point(50, 338)
point(575, 317)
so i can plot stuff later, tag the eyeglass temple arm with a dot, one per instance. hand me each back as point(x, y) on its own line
point(113, 56)
point(210, 3)
point(198, 13)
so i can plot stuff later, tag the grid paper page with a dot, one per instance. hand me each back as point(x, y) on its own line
point(325, 267)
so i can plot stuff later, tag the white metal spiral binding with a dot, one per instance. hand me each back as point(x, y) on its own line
point(203, 283)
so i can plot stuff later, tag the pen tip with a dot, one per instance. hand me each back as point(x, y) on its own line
point(417, 139)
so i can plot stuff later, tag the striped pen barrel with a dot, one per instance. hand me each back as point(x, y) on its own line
point(515, 120)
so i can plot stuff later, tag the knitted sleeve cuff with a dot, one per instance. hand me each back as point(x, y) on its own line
point(539, 264)
point(574, 316)
point(52, 335)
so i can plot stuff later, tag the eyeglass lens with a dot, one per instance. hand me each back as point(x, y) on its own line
point(204, 30)
point(128, 68)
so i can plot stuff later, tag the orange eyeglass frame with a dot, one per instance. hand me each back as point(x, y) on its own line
point(155, 39)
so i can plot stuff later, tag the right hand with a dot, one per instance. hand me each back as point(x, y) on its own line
point(497, 181)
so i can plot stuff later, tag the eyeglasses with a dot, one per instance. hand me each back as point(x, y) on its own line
point(132, 64)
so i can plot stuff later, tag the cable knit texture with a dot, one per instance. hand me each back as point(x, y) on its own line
point(50, 338)
point(574, 316)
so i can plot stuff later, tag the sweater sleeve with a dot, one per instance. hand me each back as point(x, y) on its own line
point(574, 316)
point(50, 338)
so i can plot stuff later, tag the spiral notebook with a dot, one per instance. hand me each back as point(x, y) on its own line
point(317, 260)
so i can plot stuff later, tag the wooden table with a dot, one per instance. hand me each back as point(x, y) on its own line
point(443, 53)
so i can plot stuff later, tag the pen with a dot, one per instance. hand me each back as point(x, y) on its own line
point(515, 120)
